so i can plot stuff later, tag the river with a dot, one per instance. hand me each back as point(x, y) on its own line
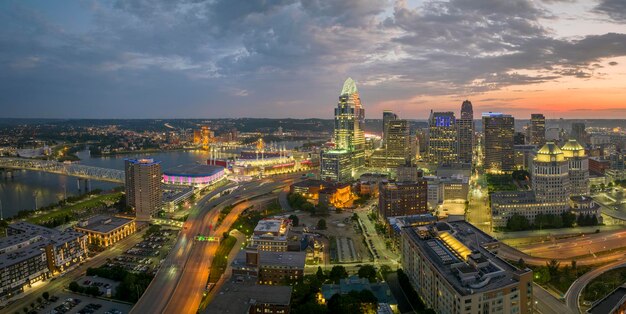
point(28, 189)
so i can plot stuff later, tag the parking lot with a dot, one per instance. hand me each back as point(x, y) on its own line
point(145, 256)
point(70, 303)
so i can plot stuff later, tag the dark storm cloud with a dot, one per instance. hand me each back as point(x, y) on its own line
point(286, 57)
point(615, 9)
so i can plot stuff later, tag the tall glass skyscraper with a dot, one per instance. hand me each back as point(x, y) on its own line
point(349, 123)
point(466, 132)
point(443, 145)
point(388, 116)
point(537, 129)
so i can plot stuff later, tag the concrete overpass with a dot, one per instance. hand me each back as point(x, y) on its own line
point(73, 170)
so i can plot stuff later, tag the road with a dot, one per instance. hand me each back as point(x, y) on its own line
point(577, 246)
point(545, 303)
point(512, 254)
point(180, 282)
point(478, 211)
point(58, 284)
point(572, 296)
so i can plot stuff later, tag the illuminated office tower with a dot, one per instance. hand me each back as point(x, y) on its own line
point(349, 124)
point(578, 161)
point(443, 145)
point(388, 116)
point(550, 177)
point(498, 142)
point(466, 132)
point(537, 129)
point(336, 165)
point(143, 186)
point(398, 144)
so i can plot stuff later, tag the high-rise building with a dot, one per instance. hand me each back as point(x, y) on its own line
point(537, 129)
point(402, 198)
point(443, 145)
point(550, 177)
point(578, 161)
point(519, 138)
point(336, 165)
point(143, 186)
point(498, 142)
point(349, 124)
point(398, 145)
point(466, 132)
point(578, 132)
point(388, 115)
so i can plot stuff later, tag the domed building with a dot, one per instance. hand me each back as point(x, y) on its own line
point(578, 162)
point(550, 177)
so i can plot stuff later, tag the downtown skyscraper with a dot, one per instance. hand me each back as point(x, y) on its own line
point(388, 116)
point(466, 132)
point(537, 129)
point(498, 142)
point(349, 123)
point(443, 147)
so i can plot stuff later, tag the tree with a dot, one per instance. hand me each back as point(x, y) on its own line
point(45, 295)
point(542, 276)
point(39, 300)
point(518, 222)
point(74, 287)
point(553, 267)
point(295, 221)
point(320, 274)
point(337, 272)
point(368, 271)
point(321, 224)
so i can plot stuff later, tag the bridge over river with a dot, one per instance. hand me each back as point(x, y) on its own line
point(74, 170)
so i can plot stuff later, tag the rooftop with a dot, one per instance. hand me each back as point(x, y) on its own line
point(277, 226)
point(103, 223)
point(238, 297)
point(143, 161)
point(550, 149)
point(290, 259)
point(458, 253)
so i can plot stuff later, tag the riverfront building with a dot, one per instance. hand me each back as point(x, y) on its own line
point(452, 267)
point(143, 186)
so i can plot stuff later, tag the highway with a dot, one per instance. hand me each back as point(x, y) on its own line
point(545, 303)
point(512, 254)
point(572, 296)
point(58, 284)
point(181, 280)
point(577, 246)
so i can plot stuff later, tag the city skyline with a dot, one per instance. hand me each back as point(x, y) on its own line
point(226, 59)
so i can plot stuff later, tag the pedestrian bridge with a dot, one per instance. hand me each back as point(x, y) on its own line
point(74, 170)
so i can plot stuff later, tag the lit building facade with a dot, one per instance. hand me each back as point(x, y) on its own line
point(550, 177)
point(336, 165)
point(106, 230)
point(537, 129)
point(388, 116)
point(466, 132)
point(349, 123)
point(578, 167)
point(402, 198)
point(143, 186)
point(498, 142)
point(443, 145)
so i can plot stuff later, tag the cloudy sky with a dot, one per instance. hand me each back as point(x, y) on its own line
point(289, 58)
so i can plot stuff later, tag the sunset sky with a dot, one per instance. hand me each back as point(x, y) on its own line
point(289, 58)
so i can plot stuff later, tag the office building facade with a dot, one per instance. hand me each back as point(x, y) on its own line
point(466, 132)
point(402, 198)
point(578, 167)
point(537, 129)
point(336, 166)
point(443, 145)
point(499, 131)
